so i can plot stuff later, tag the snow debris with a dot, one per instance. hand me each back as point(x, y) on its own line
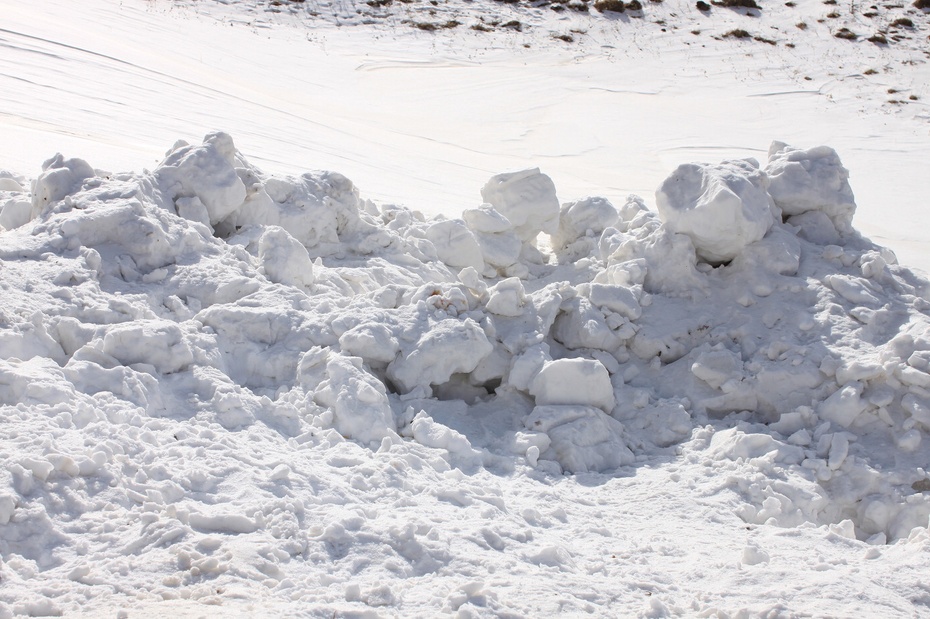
point(239, 373)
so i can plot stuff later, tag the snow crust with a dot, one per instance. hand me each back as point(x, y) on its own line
point(188, 351)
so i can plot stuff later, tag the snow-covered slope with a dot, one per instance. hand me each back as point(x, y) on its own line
point(233, 387)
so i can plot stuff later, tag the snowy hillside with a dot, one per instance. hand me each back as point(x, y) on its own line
point(234, 387)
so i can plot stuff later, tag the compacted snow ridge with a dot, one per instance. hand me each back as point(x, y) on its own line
point(230, 387)
point(226, 387)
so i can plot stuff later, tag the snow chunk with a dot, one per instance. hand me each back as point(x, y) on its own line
point(158, 343)
point(370, 341)
point(455, 244)
point(284, 259)
point(486, 218)
point(206, 172)
point(718, 367)
point(574, 381)
point(359, 403)
point(527, 199)
point(223, 523)
point(590, 215)
point(723, 208)
point(507, 298)
point(448, 348)
point(582, 438)
point(810, 180)
point(619, 299)
point(60, 177)
point(844, 405)
point(853, 289)
point(581, 325)
point(427, 431)
point(501, 249)
point(7, 507)
point(526, 366)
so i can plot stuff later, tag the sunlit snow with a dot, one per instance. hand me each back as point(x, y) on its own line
point(591, 316)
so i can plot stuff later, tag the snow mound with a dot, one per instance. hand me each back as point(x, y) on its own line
point(209, 306)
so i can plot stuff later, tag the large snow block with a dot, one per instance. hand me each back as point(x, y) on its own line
point(207, 172)
point(583, 439)
point(584, 382)
point(801, 181)
point(723, 207)
point(527, 199)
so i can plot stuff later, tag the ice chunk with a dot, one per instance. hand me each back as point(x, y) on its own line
point(527, 199)
point(574, 381)
point(723, 208)
point(582, 438)
point(810, 180)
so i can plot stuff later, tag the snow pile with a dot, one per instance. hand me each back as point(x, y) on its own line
point(152, 318)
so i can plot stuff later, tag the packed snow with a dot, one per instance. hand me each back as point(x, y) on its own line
point(229, 390)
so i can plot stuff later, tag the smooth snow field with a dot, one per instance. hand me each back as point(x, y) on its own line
point(474, 309)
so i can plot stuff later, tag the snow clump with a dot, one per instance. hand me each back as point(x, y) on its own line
point(722, 208)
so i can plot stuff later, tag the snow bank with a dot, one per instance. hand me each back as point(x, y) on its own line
point(207, 302)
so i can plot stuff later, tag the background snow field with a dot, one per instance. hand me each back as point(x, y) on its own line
point(582, 341)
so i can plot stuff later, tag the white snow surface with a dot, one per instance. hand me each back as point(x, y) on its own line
point(233, 390)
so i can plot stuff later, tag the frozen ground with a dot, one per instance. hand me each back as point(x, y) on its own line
point(230, 387)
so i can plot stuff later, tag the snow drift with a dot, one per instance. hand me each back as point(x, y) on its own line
point(151, 317)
